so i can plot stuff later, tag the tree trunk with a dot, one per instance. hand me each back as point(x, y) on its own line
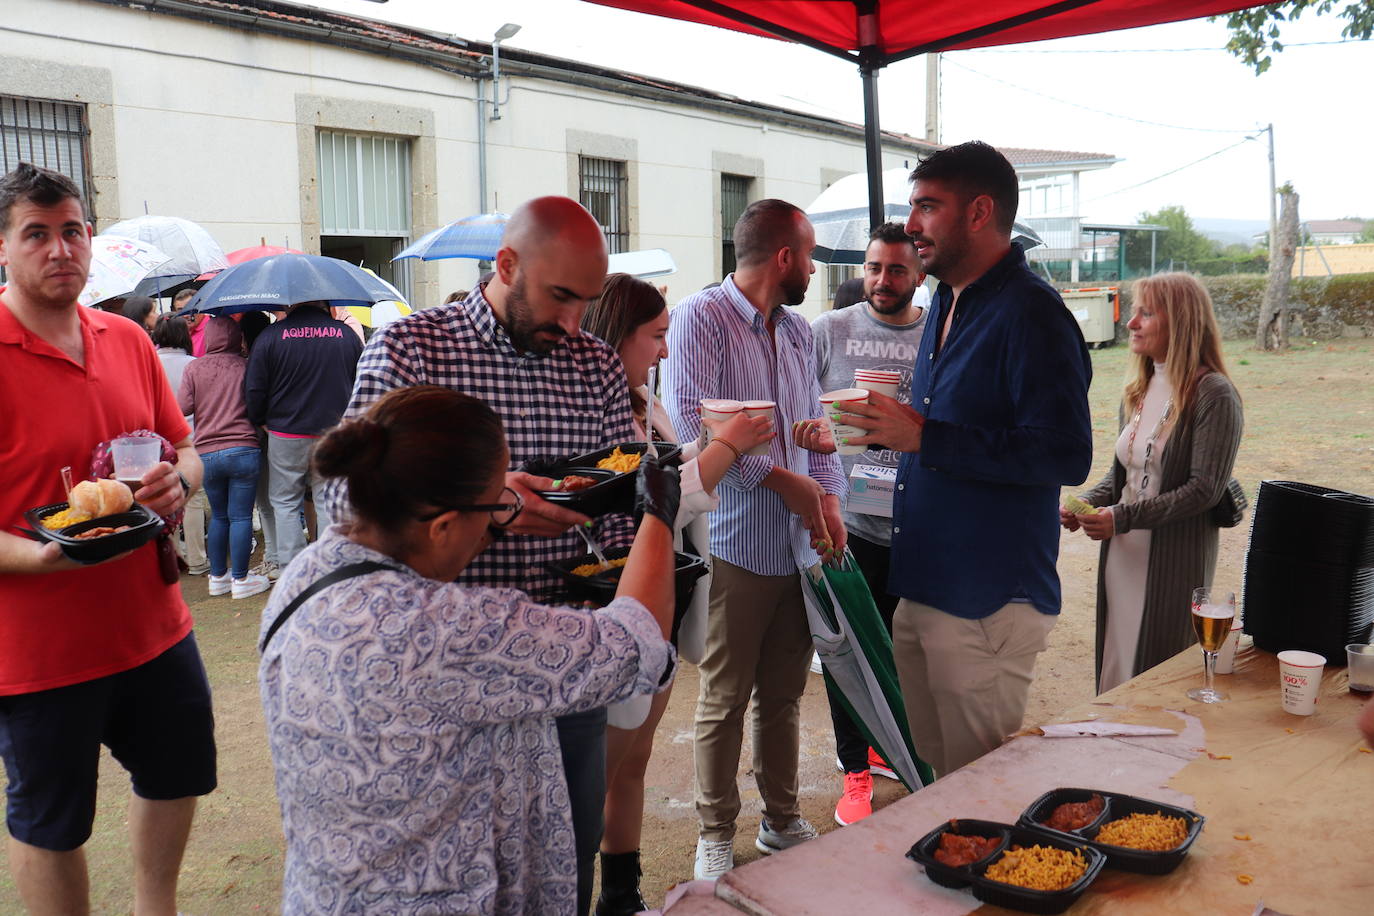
point(1271, 331)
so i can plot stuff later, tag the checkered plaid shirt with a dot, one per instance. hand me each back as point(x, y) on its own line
point(572, 400)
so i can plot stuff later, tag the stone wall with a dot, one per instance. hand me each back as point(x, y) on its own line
point(1320, 309)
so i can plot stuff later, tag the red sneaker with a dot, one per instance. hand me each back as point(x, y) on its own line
point(856, 801)
point(878, 766)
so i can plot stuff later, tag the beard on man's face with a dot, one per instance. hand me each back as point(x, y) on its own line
point(522, 330)
point(893, 306)
point(794, 287)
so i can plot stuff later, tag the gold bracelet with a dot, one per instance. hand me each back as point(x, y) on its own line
point(730, 445)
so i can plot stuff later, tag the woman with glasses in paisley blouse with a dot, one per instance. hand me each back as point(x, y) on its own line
point(411, 719)
point(1181, 424)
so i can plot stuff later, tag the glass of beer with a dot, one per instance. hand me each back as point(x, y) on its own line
point(1213, 611)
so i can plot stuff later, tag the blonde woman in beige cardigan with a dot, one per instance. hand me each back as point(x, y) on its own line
point(1181, 425)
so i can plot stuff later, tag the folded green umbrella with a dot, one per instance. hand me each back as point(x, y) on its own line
point(856, 651)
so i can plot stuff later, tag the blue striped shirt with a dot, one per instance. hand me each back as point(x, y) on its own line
point(720, 347)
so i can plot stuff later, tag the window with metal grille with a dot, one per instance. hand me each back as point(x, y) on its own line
point(734, 198)
point(601, 189)
point(836, 274)
point(48, 134)
point(364, 184)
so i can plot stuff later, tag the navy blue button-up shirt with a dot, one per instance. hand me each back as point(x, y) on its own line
point(976, 518)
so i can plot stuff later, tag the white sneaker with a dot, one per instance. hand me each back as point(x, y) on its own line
point(269, 569)
point(770, 840)
point(250, 585)
point(219, 585)
point(714, 858)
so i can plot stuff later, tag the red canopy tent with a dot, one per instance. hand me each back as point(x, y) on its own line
point(875, 33)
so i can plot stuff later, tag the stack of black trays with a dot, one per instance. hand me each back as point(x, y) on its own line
point(1309, 569)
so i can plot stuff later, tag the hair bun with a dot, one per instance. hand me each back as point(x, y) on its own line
point(352, 448)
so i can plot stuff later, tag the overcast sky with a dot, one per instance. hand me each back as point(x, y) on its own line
point(1049, 95)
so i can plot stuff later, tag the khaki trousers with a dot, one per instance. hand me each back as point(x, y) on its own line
point(757, 641)
point(965, 682)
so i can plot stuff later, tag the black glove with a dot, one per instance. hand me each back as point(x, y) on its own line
point(658, 490)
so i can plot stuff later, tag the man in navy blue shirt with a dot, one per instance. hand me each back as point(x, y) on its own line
point(998, 422)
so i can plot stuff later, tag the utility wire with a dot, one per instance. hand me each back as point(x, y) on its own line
point(1110, 114)
point(1189, 165)
point(1012, 50)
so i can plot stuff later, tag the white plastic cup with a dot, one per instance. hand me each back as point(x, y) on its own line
point(134, 456)
point(1300, 678)
point(833, 404)
point(881, 381)
point(1360, 666)
point(1226, 657)
point(761, 409)
point(720, 409)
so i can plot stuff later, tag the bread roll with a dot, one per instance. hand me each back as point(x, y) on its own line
point(97, 498)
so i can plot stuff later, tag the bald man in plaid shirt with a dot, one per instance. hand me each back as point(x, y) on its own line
point(515, 343)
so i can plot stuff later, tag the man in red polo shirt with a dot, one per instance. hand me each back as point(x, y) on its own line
point(97, 654)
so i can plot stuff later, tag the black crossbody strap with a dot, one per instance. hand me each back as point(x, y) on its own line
point(338, 575)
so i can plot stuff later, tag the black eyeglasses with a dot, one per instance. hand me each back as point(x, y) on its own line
point(502, 514)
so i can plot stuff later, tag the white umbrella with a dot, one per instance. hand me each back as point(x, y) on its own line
point(118, 265)
point(840, 216)
point(645, 264)
point(190, 249)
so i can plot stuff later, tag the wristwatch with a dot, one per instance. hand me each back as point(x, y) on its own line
point(185, 484)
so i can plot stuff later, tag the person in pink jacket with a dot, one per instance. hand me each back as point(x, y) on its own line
point(212, 391)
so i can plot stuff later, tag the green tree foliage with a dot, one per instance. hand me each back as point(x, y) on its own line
point(1179, 242)
point(1368, 234)
point(1255, 31)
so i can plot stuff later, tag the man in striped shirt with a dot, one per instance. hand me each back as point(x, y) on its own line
point(515, 342)
point(738, 341)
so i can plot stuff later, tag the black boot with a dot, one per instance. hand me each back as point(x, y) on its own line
point(620, 885)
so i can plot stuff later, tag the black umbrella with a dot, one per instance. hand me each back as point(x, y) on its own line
point(285, 280)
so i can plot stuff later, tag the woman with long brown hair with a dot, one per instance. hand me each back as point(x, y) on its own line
point(632, 317)
point(1181, 423)
point(410, 718)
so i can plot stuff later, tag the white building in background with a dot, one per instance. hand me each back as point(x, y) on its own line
point(1334, 231)
point(266, 121)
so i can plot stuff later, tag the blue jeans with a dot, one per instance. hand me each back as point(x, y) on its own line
point(231, 485)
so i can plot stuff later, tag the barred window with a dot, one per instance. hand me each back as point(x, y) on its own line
point(601, 189)
point(734, 198)
point(47, 134)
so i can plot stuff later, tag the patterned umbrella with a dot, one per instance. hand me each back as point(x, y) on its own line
point(470, 237)
point(118, 265)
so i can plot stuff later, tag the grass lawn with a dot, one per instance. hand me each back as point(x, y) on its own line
point(1309, 416)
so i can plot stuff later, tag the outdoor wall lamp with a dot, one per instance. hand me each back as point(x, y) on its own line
point(503, 33)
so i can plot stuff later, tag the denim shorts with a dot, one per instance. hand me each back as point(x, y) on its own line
point(155, 719)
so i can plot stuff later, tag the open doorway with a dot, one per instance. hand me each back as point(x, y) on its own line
point(374, 253)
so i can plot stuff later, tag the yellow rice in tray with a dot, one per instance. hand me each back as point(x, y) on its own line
point(1039, 868)
point(64, 518)
point(1150, 832)
point(591, 569)
point(620, 461)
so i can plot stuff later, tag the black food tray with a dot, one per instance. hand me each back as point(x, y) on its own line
point(600, 588)
point(1118, 805)
point(615, 491)
point(996, 892)
point(143, 527)
point(606, 495)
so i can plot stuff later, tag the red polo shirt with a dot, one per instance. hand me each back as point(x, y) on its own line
point(73, 626)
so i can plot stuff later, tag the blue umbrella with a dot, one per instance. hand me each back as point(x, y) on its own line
point(470, 237)
point(288, 279)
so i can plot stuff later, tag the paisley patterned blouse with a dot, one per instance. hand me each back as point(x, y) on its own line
point(411, 724)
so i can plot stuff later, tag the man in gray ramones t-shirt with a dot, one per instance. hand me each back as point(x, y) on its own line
point(882, 332)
